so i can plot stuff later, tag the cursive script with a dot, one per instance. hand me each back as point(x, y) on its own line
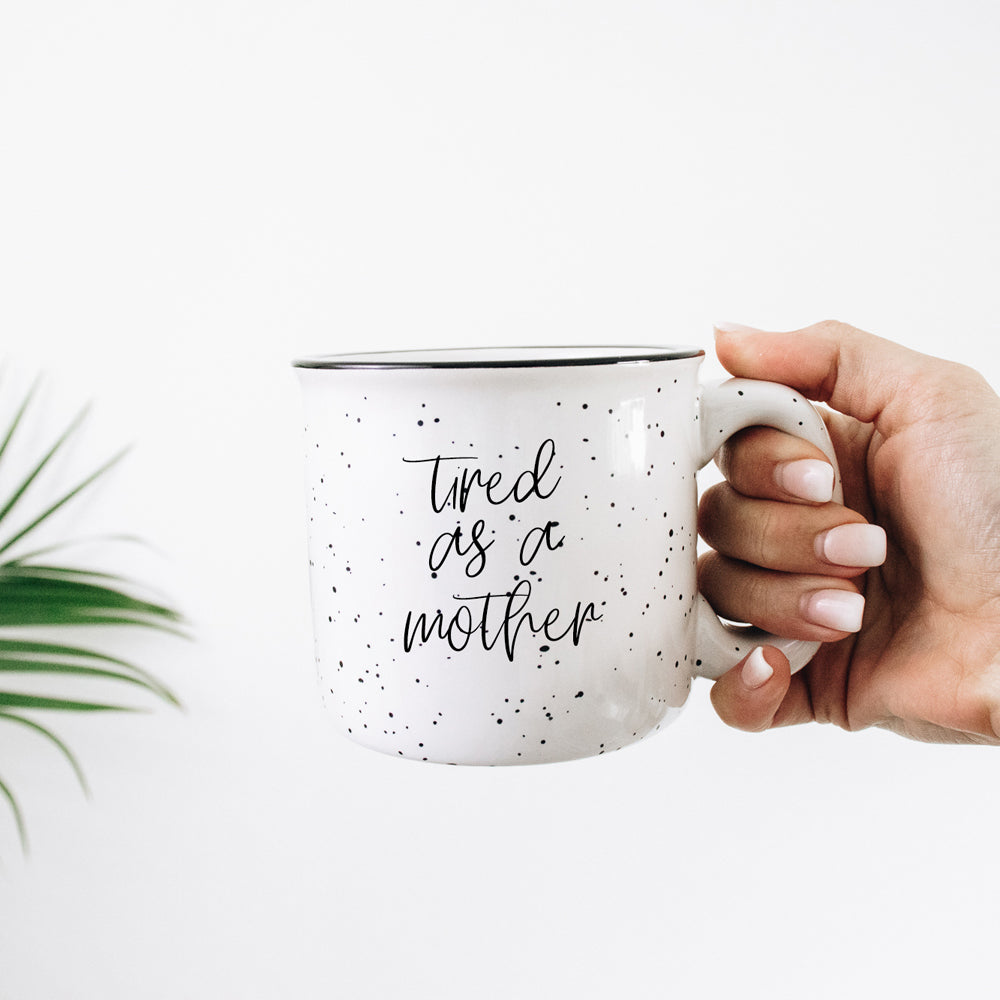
point(498, 616)
point(501, 616)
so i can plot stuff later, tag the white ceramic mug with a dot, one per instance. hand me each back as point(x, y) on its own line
point(503, 544)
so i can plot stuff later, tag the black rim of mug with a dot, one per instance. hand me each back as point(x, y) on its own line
point(499, 357)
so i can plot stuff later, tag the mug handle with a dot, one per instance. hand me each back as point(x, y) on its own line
point(726, 408)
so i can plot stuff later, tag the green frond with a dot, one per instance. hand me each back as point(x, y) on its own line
point(18, 417)
point(12, 699)
point(49, 595)
point(22, 656)
point(38, 595)
point(18, 815)
point(43, 462)
point(62, 501)
point(66, 543)
point(52, 738)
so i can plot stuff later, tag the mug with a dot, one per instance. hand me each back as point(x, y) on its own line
point(503, 542)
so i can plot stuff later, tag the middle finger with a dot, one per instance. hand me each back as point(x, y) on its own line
point(828, 539)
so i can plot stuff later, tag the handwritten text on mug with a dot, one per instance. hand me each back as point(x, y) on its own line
point(492, 617)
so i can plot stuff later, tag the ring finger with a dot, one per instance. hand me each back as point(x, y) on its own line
point(798, 606)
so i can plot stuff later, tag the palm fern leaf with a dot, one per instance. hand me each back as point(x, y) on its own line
point(25, 656)
point(37, 594)
point(18, 815)
point(52, 738)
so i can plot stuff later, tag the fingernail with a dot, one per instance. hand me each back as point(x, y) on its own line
point(734, 328)
point(756, 670)
point(837, 609)
point(852, 545)
point(807, 478)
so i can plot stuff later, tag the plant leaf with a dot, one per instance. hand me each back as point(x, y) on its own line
point(26, 557)
point(36, 594)
point(52, 738)
point(12, 699)
point(47, 596)
point(46, 458)
point(18, 416)
point(50, 667)
point(33, 569)
point(18, 817)
point(29, 656)
point(14, 539)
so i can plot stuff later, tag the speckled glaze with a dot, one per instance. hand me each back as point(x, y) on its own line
point(503, 545)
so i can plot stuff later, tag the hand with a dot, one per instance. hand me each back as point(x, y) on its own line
point(918, 442)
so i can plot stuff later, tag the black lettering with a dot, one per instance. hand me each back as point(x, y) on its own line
point(534, 540)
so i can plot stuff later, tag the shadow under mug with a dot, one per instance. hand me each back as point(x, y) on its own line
point(502, 544)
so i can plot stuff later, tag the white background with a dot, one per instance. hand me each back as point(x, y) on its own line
point(191, 193)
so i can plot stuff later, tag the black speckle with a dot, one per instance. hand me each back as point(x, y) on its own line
point(579, 694)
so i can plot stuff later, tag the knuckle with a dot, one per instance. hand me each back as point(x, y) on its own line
point(835, 328)
point(762, 600)
point(766, 538)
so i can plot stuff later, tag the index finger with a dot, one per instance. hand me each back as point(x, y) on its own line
point(857, 373)
point(769, 464)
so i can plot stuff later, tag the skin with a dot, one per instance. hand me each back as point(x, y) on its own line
point(918, 443)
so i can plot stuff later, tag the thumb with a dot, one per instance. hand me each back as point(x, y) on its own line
point(857, 373)
point(748, 696)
